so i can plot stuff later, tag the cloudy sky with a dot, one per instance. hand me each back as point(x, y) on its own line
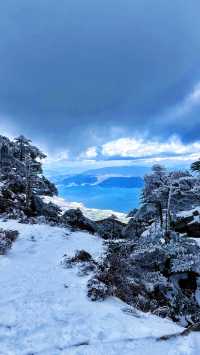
point(102, 79)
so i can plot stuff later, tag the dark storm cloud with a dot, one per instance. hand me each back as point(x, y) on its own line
point(95, 69)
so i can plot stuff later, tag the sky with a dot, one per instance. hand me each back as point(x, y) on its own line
point(102, 80)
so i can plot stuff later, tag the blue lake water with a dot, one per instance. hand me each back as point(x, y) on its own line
point(117, 199)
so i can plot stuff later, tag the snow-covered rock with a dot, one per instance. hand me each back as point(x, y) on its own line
point(188, 222)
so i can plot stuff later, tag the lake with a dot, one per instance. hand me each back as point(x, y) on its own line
point(116, 199)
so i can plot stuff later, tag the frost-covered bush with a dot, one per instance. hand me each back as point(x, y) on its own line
point(154, 274)
point(6, 239)
point(97, 290)
point(83, 259)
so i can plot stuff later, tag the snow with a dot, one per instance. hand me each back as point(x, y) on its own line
point(188, 213)
point(44, 309)
point(92, 213)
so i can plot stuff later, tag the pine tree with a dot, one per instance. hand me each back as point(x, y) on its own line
point(21, 145)
point(196, 166)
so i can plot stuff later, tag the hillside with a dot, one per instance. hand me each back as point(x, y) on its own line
point(72, 283)
point(44, 307)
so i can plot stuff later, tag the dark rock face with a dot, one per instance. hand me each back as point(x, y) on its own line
point(193, 229)
point(189, 224)
point(110, 228)
point(51, 212)
point(134, 228)
point(74, 218)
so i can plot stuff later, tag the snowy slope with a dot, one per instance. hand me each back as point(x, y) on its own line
point(44, 309)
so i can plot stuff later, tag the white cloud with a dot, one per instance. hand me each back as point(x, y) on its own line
point(138, 148)
point(91, 153)
point(134, 149)
point(57, 157)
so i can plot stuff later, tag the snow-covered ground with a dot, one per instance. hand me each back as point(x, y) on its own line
point(44, 309)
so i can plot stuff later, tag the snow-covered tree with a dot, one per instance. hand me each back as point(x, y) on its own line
point(22, 145)
point(167, 192)
point(155, 192)
point(196, 166)
point(21, 177)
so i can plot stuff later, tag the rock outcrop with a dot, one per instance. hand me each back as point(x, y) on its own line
point(75, 219)
point(134, 228)
point(188, 223)
point(110, 228)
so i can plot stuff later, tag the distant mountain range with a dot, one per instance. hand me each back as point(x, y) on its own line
point(122, 181)
point(133, 170)
point(124, 177)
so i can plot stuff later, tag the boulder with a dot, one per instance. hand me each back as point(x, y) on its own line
point(193, 229)
point(110, 228)
point(74, 218)
point(82, 256)
point(188, 224)
point(49, 210)
point(180, 223)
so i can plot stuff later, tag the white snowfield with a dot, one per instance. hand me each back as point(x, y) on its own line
point(44, 309)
